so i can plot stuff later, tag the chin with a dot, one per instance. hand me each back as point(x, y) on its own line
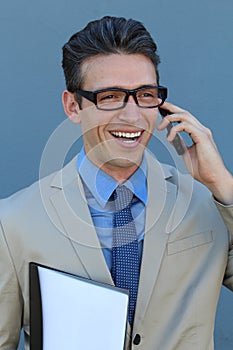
point(126, 162)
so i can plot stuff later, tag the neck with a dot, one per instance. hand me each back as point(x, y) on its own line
point(118, 173)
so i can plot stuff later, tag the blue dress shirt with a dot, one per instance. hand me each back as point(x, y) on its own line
point(98, 187)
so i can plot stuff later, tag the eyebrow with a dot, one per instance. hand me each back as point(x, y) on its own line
point(124, 88)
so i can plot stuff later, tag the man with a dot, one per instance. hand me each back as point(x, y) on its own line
point(68, 221)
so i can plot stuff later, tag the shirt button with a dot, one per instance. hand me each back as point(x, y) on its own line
point(137, 339)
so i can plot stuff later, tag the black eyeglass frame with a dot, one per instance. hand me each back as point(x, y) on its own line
point(92, 96)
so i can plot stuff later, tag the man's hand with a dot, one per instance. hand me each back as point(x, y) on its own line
point(202, 159)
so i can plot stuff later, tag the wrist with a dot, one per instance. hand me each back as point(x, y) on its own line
point(222, 189)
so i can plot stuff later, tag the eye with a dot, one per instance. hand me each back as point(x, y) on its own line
point(110, 96)
point(107, 97)
point(146, 94)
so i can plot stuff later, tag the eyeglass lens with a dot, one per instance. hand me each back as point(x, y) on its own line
point(113, 99)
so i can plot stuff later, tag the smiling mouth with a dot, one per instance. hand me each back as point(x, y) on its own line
point(128, 137)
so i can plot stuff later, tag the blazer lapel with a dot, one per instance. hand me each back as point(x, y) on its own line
point(73, 212)
point(161, 199)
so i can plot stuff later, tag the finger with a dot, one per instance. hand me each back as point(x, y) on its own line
point(184, 116)
point(196, 133)
point(171, 107)
point(177, 114)
point(169, 119)
point(164, 123)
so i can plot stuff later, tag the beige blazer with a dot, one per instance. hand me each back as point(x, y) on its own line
point(184, 261)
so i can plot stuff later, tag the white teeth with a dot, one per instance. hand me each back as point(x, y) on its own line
point(127, 135)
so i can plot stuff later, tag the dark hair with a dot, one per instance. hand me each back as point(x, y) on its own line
point(108, 35)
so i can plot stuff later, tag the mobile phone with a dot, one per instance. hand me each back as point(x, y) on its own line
point(177, 140)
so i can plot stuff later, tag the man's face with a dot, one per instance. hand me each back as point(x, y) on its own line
point(115, 140)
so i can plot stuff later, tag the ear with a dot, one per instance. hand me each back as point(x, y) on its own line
point(71, 106)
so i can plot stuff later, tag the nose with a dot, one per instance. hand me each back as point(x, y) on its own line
point(131, 111)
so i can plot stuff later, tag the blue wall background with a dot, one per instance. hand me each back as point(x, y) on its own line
point(195, 41)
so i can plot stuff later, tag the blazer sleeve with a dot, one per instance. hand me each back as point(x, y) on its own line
point(226, 212)
point(10, 298)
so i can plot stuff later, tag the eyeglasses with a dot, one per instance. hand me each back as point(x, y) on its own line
point(110, 99)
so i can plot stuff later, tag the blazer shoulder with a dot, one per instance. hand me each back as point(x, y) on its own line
point(28, 198)
point(182, 180)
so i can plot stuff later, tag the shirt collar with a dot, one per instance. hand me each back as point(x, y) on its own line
point(101, 185)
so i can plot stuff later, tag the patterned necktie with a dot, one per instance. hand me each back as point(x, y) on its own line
point(125, 254)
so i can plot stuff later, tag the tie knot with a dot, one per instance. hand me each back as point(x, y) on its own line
point(122, 197)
